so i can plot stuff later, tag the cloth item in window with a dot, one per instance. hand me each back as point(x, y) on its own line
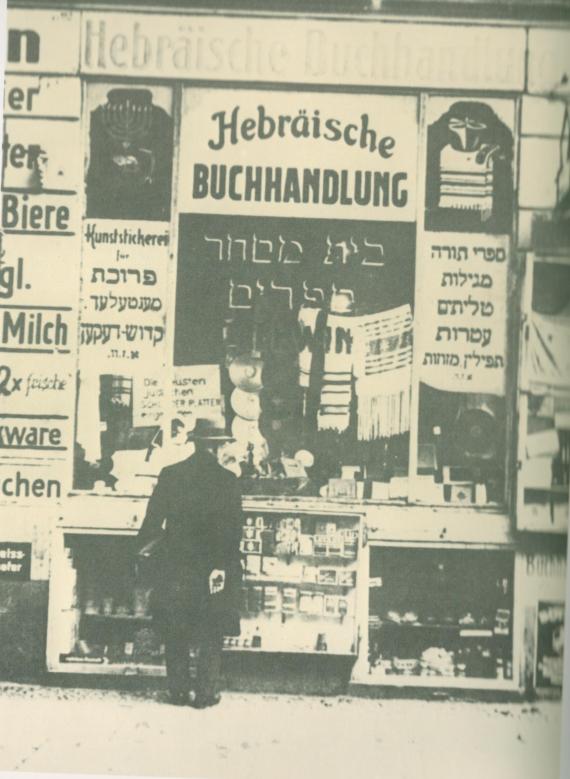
point(466, 180)
point(308, 325)
point(382, 366)
point(88, 432)
point(336, 389)
point(548, 353)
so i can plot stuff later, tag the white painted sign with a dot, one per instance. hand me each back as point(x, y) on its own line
point(371, 53)
point(40, 41)
point(42, 96)
point(461, 344)
point(291, 154)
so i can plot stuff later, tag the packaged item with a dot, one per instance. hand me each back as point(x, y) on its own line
point(251, 534)
point(259, 523)
point(270, 566)
point(289, 600)
point(310, 574)
point(250, 547)
point(320, 546)
point(343, 607)
point(253, 564)
point(347, 578)
point(331, 606)
point(271, 599)
point(306, 545)
point(255, 599)
point(327, 576)
point(267, 538)
point(335, 545)
point(317, 603)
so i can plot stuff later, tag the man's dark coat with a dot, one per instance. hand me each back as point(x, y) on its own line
point(201, 504)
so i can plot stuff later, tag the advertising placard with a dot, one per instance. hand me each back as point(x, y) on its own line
point(287, 153)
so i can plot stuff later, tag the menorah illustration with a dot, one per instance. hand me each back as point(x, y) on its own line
point(127, 115)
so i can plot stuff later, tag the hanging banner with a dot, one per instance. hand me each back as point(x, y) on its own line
point(306, 155)
point(461, 345)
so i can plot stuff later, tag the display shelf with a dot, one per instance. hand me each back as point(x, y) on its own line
point(295, 583)
point(463, 630)
point(117, 617)
point(95, 566)
point(120, 669)
point(437, 682)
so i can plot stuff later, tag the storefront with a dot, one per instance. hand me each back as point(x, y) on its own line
point(331, 251)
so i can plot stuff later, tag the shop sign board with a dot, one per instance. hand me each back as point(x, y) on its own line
point(292, 154)
point(311, 51)
point(34, 41)
point(15, 560)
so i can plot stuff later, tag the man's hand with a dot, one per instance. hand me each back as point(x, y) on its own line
point(216, 581)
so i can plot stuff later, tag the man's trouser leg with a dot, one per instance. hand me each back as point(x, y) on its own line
point(177, 650)
point(209, 662)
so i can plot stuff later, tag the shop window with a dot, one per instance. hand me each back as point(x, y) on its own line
point(461, 449)
point(544, 400)
point(113, 451)
point(442, 615)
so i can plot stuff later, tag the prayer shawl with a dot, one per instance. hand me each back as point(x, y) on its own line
point(466, 180)
point(308, 324)
point(382, 366)
point(336, 389)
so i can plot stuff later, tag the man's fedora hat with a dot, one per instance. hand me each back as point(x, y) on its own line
point(207, 430)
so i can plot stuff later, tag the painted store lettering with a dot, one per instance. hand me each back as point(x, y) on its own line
point(29, 437)
point(22, 99)
point(194, 51)
point(33, 328)
point(23, 45)
point(18, 155)
point(19, 214)
point(19, 486)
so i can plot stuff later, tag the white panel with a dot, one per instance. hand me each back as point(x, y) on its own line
point(42, 41)
point(539, 163)
point(542, 116)
point(548, 60)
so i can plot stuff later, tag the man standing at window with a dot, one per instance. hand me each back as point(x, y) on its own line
point(195, 511)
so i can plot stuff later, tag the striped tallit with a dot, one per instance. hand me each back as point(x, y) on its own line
point(382, 366)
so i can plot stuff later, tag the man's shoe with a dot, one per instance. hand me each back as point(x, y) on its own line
point(179, 698)
point(205, 701)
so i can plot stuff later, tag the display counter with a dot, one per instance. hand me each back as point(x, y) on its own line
point(325, 577)
point(299, 590)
